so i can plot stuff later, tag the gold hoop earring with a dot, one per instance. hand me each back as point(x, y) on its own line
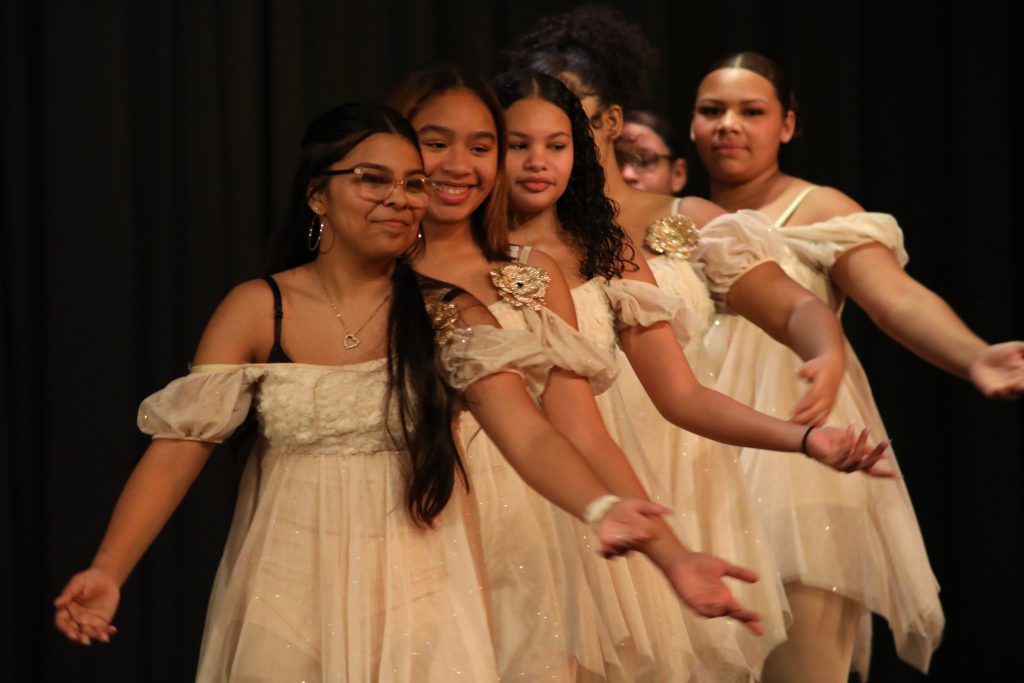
point(314, 244)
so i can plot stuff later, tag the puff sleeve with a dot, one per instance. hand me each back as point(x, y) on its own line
point(821, 244)
point(206, 405)
point(639, 303)
point(733, 244)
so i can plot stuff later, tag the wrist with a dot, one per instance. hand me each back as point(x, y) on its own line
point(803, 440)
point(598, 508)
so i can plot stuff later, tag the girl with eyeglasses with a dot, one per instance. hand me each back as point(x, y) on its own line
point(352, 553)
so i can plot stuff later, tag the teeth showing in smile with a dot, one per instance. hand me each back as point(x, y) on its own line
point(451, 189)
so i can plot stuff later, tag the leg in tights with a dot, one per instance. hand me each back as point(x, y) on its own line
point(821, 638)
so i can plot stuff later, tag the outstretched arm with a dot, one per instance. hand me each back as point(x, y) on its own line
point(87, 604)
point(793, 316)
point(665, 374)
point(923, 322)
point(235, 334)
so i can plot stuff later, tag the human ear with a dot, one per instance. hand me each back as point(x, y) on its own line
point(612, 121)
point(788, 127)
point(678, 175)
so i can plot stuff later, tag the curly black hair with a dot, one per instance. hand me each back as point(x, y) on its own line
point(608, 54)
point(586, 214)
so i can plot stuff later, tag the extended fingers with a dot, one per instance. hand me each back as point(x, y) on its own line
point(741, 573)
point(750, 618)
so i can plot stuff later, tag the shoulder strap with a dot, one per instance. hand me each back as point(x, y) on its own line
point(277, 354)
point(675, 205)
point(519, 253)
point(794, 205)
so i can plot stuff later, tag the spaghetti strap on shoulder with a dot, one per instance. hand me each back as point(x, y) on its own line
point(794, 205)
point(277, 354)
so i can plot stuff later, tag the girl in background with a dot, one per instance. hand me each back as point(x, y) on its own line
point(846, 546)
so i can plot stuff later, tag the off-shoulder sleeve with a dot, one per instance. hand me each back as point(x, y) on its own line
point(639, 303)
point(732, 244)
point(206, 405)
point(547, 342)
point(470, 354)
point(823, 243)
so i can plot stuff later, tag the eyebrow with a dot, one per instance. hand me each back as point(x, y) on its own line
point(483, 135)
point(388, 169)
point(560, 133)
point(440, 130)
point(715, 100)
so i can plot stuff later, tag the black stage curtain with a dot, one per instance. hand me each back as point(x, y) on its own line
point(147, 149)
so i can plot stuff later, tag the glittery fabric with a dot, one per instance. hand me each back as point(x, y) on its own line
point(540, 603)
point(519, 284)
point(675, 236)
point(701, 479)
point(850, 534)
point(324, 576)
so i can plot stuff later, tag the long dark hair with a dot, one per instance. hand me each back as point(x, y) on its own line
point(489, 223)
point(606, 53)
point(661, 127)
point(417, 393)
point(586, 215)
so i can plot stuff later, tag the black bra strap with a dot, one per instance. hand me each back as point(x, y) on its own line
point(277, 354)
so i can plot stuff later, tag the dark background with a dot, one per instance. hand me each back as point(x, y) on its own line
point(147, 148)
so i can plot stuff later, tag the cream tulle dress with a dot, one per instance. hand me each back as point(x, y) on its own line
point(562, 612)
point(701, 479)
point(847, 533)
point(325, 577)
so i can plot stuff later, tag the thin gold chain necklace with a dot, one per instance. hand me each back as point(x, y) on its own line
point(351, 340)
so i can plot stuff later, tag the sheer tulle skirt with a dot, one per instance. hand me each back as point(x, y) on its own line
point(325, 577)
point(847, 533)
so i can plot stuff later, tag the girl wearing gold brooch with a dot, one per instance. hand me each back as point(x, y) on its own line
point(350, 556)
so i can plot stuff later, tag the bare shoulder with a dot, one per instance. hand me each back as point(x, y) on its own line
point(238, 331)
point(822, 204)
point(700, 210)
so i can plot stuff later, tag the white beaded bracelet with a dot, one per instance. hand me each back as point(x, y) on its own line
point(598, 508)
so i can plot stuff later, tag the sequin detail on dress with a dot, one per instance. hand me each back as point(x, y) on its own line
point(676, 236)
point(444, 316)
point(521, 285)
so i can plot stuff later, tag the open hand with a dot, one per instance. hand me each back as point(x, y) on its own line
point(839, 450)
point(698, 580)
point(627, 525)
point(998, 371)
point(85, 607)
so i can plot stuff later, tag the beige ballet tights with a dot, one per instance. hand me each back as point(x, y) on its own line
point(820, 643)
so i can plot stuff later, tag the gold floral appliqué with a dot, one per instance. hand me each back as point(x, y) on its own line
point(675, 235)
point(445, 317)
point(521, 285)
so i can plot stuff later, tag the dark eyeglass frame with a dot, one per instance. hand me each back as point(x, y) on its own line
point(358, 171)
point(640, 161)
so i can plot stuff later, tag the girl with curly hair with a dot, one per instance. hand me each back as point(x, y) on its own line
point(351, 553)
point(559, 611)
point(559, 205)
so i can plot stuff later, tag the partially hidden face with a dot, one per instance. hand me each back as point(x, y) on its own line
point(364, 209)
point(646, 161)
point(540, 154)
point(459, 142)
point(738, 124)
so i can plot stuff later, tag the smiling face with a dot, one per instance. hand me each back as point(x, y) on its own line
point(374, 229)
point(738, 125)
point(459, 142)
point(540, 154)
